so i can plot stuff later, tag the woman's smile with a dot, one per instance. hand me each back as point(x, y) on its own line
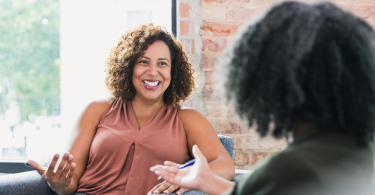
point(151, 84)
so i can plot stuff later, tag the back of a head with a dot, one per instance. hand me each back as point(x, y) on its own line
point(305, 59)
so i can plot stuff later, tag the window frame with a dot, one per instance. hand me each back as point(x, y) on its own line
point(18, 165)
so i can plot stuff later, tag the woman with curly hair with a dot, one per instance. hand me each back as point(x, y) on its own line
point(142, 125)
point(306, 72)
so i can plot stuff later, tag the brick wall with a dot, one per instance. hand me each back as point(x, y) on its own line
point(205, 29)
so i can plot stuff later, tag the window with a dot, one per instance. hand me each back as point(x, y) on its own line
point(52, 56)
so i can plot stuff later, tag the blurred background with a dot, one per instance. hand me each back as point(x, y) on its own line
point(52, 55)
point(52, 61)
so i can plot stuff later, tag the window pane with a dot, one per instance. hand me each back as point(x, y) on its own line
point(29, 72)
point(52, 56)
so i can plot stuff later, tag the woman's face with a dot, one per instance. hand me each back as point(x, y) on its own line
point(152, 72)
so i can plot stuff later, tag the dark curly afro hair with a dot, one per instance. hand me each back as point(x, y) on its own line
point(302, 60)
point(130, 47)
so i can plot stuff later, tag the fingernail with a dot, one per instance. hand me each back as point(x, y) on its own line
point(70, 157)
point(157, 172)
point(152, 168)
point(166, 192)
point(56, 156)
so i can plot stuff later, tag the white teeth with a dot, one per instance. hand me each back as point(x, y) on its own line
point(151, 84)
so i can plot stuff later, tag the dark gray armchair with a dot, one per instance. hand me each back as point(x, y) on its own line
point(31, 183)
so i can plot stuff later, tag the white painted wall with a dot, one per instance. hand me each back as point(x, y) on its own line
point(89, 29)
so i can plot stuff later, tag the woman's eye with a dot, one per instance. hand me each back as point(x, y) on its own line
point(162, 63)
point(143, 62)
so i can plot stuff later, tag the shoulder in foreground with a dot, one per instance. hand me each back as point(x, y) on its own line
point(282, 173)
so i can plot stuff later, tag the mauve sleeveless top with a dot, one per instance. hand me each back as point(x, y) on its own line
point(120, 155)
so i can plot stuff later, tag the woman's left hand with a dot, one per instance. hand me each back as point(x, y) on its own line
point(167, 188)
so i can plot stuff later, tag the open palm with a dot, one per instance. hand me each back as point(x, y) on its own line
point(188, 177)
point(61, 178)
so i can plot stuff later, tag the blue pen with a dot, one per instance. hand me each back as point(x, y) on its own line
point(188, 163)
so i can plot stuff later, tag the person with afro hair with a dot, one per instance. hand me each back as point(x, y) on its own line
point(305, 72)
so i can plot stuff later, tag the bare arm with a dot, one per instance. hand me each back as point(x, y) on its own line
point(80, 148)
point(68, 173)
point(200, 132)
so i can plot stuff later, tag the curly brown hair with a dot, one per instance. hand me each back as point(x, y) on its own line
point(130, 47)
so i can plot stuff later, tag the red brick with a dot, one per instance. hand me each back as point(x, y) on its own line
point(188, 45)
point(258, 157)
point(185, 10)
point(239, 13)
point(222, 1)
point(219, 29)
point(369, 13)
point(211, 13)
point(186, 27)
point(209, 61)
point(353, 3)
point(214, 109)
point(209, 94)
point(254, 142)
point(236, 128)
point(220, 124)
point(263, 4)
point(214, 45)
point(372, 23)
point(362, 12)
point(209, 79)
point(241, 158)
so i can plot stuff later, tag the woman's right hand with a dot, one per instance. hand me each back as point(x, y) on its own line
point(60, 179)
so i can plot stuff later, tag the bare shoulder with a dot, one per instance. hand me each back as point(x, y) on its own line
point(187, 112)
point(193, 121)
point(98, 107)
point(94, 111)
point(102, 104)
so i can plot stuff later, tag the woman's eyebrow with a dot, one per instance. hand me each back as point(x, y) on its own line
point(163, 59)
point(145, 57)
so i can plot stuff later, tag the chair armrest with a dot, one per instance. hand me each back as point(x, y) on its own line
point(228, 144)
point(193, 192)
point(190, 192)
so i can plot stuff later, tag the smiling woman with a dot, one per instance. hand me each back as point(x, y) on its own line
point(128, 55)
point(152, 74)
point(141, 125)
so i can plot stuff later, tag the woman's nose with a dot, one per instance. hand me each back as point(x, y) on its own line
point(152, 71)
